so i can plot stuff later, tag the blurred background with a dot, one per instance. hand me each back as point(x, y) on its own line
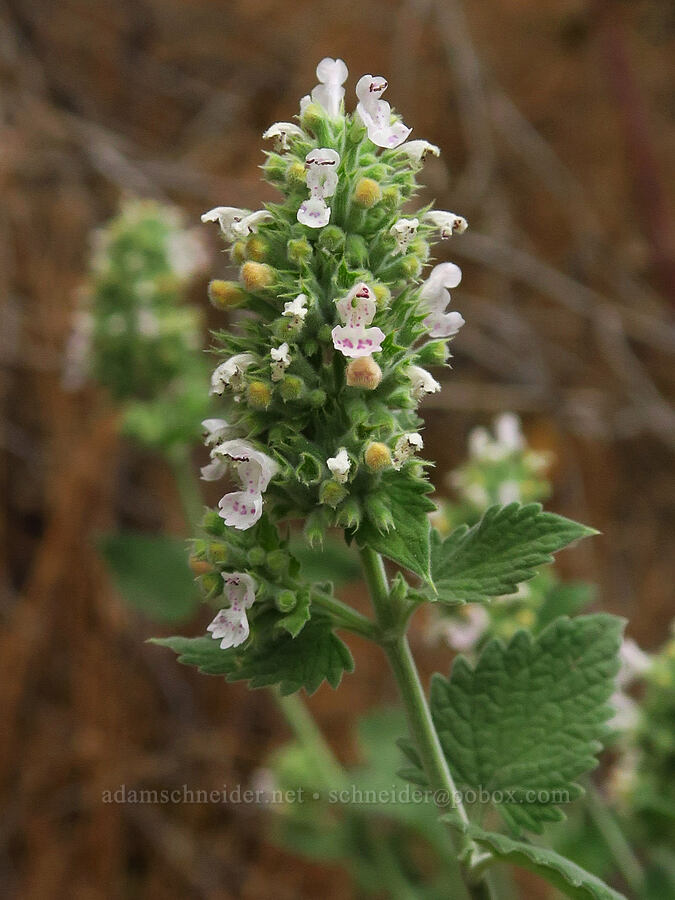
point(556, 120)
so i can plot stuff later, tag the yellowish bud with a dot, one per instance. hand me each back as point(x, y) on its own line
point(225, 294)
point(199, 566)
point(296, 176)
point(364, 372)
point(382, 295)
point(257, 247)
point(257, 276)
point(377, 456)
point(259, 395)
point(331, 493)
point(238, 252)
point(367, 193)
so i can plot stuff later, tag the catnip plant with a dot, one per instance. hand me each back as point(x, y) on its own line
point(319, 386)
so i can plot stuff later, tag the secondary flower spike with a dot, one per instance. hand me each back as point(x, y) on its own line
point(357, 310)
point(376, 113)
point(230, 626)
point(255, 470)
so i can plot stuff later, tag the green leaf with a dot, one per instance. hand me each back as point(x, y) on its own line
point(152, 574)
point(296, 620)
point(567, 876)
point(505, 548)
point(316, 655)
point(528, 719)
point(203, 652)
point(407, 543)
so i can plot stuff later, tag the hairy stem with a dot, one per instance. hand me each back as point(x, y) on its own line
point(345, 616)
point(625, 859)
point(417, 710)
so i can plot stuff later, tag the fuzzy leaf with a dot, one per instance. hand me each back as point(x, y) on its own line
point(152, 574)
point(505, 548)
point(567, 876)
point(294, 621)
point(202, 652)
point(528, 719)
point(407, 543)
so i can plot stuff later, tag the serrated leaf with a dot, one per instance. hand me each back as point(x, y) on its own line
point(202, 652)
point(528, 719)
point(505, 548)
point(296, 620)
point(408, 541)
point(567, 876)
point(316, 655)
point(152, 574)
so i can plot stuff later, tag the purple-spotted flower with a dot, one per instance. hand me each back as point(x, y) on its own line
point(282, 132)
point(281, 360)
point(448, 223)
point(376, 113)
point(255, 470)
point(435, 298)
point(329, 94)
point(321, 165)
point(357, 310)
point(217, 431)
point(404, 230)
point(231, 373)
point(236, 223)
point(230, 626)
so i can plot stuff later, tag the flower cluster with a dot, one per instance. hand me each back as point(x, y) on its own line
point(320, 387)
point(134, 334)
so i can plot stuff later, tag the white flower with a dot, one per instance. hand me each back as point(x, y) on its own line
point(422, 382)
point(332, 73)
point(417, 151)
point(236, 223)
point(254, 469)
point(634, 663)
point(376, 113)
point(508, 440)
point(404, 231)
point(357, 310)
point(508, 432)
point(230, 373)
point(509, 492)
point(448, 223)
point(406, 447)
point(296, 309)
point(435, 298)
point(281, 360)
point(321, 165)
point(230, 626)
point(463, 634)
point(339, 465)
point(217, 430)
point(283, 131)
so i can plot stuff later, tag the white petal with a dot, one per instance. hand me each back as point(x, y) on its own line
point(508, 431)
point(358, 307)
point(443, 325)
point(339, 465)
point(215, 470)
point(240, 589)
point(356, 341)
point(230, 626)
point(332, 71)
point(416, 151)
point(314, 214)
point(240, 509)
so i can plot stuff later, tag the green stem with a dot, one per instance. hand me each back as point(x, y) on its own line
point(395, 644)
point(309, 736)
point(625, 859)
point(346, 616)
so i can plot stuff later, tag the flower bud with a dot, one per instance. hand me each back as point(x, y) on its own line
point(259, 395)
point(256, 557)
point(217, 553)
point(356, 250)
point(332, 493)
point(316, 398)
point(379, 513)
point(382, 295)
point(257, 247)
point(377, 456)
point(212, 523)
point(199, 566)
point(299, 251)
point(312, 117)
point(291, 387)
point(421, 249)
point(349, 514)
point(210, 585)
point(357, 410)
point(433, 353)
point(257, 276)
point(391, 198)
point(315, 527)
point(277, 562)
point(285, 601)
point(296, 176)
point(399, 589)
point(275, 168)
point(225, 294)
point(310, 347)
point(238, 252)
point(363, 372)
point(409, 267)
point(331, 239)
point(367, 193)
